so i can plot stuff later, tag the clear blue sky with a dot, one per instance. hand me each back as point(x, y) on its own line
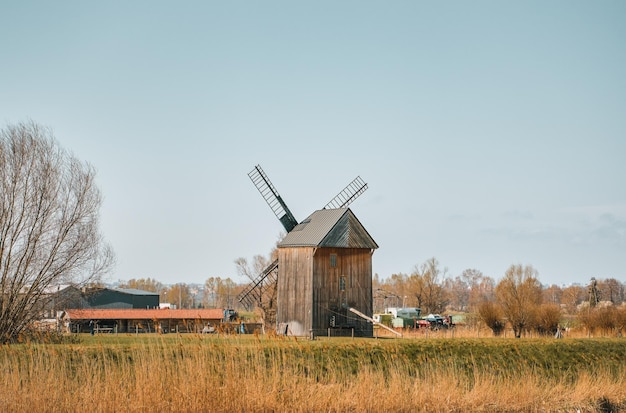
point(490, 133)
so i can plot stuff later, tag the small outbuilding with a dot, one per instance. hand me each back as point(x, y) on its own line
point(142, 320)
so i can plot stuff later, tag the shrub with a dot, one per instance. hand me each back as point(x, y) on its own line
point(607, 319)
point(491, 314)
point(547, 319)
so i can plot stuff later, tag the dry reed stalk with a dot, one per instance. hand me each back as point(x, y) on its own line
point(230, 375)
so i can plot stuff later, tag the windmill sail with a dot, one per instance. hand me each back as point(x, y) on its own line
point(348, 194)
point(273, 198)
point(253, 293)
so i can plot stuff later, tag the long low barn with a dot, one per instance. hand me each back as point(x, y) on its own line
point(143, 320)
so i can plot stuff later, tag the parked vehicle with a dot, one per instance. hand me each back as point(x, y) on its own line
point(208, 329)
point(437, 321)
point(399, 318)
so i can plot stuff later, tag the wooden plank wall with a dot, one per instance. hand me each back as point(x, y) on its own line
point(309, 292)
point(294, 297)
point(355, 265)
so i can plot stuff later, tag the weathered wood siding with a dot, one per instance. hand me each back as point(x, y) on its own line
point(355, 265)
point(294, 295)
point(309, 289)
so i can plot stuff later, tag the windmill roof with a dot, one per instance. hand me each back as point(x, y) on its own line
point(335, 228)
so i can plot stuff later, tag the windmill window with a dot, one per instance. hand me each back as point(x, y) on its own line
point(333, 260)
point(342, 283)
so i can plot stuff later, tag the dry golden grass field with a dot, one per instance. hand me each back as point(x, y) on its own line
point(216, 373)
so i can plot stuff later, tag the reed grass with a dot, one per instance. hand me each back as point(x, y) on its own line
point(196, 373)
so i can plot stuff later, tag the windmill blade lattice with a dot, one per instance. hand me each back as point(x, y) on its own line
point(348, 194)
point(273, 198)
point(254, 291)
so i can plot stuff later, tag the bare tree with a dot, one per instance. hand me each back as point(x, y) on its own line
point(145, 284)
point(572, 296)
point(481, 287)
point(392, 292)
point(519, 294)
point(219, 292)
point(426, 286)
point(252, 271)
point(179, 295)
point(210, 292)
point(552, 294)
point(458, 292)
point(49, 210)
point(226, 292)
point(612, 290)
point(266, 305)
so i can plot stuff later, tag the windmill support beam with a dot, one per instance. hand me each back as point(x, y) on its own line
point(360, 314)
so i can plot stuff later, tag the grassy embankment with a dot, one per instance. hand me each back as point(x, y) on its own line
point(192, 373)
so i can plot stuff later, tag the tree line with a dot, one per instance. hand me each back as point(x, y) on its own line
point(517, 300)
point(216, 292)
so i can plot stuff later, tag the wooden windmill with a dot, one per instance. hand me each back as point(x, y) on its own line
point(316, 276)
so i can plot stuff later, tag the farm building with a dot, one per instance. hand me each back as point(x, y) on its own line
point(59, 299)
point(64, 297)
point(325, 268)
point(142, 320)
point(120, 298)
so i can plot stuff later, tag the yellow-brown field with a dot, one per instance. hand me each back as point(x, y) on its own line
point(201, 373)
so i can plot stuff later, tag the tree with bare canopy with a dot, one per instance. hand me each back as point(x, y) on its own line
point(426, 287)
point(49, 235)
point(519, 295)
